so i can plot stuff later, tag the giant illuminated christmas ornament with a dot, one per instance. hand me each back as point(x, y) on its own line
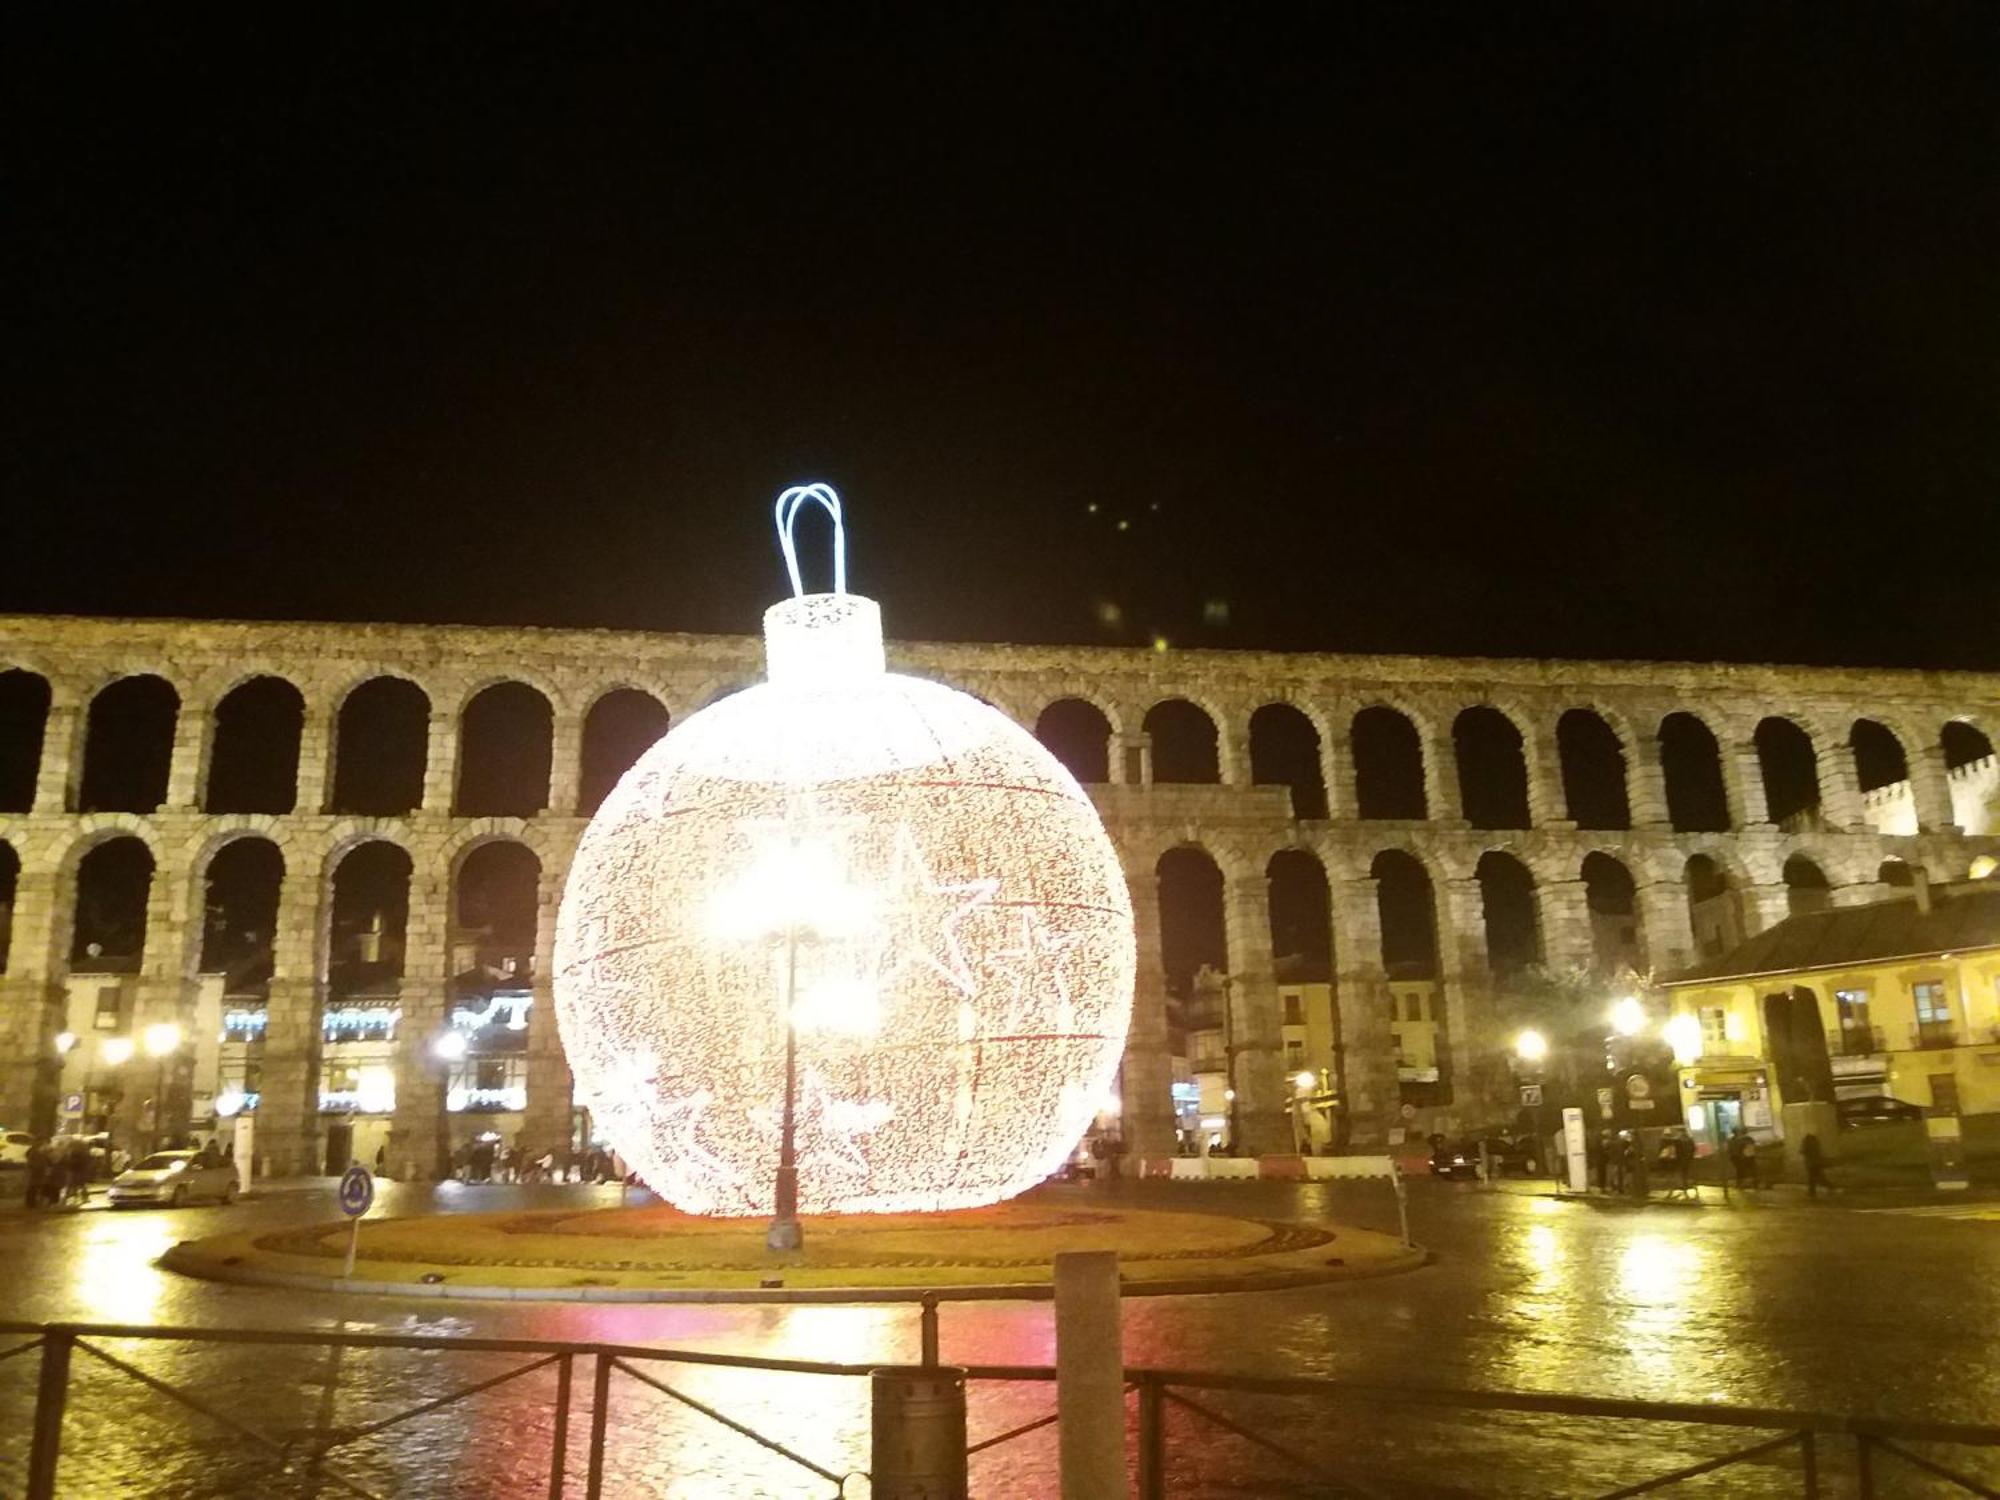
point(849, 909)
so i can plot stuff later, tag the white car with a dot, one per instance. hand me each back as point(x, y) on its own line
point(14, 1146)
point(173, 1178)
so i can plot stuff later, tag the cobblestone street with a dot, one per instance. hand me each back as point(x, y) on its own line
point(1781, 1303)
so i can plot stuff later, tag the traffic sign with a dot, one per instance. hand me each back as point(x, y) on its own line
point(357, 1191)
point(72, 1104)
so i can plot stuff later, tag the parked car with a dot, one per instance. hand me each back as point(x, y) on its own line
point(1875, 1109)
point(1512, 1152)
point(1455, 1159)
point(173, 1178)
point(14, 1146)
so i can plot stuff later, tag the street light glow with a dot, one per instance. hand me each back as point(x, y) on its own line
point(1531, 1046)
point(65, 1041)
point(1305, 1079)
point(1628, 1016)
point(161, 1038)
point(450, 1046)
point(1684, 1036)
point(115, 1050)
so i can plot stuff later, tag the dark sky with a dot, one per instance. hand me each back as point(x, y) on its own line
point(1504, 329)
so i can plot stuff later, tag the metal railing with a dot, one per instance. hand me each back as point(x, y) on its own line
point(1812, 1436)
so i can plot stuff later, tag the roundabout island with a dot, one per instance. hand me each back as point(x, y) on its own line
point(655, 1253)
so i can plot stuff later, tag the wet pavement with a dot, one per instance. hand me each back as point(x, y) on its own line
point(1779, 1303)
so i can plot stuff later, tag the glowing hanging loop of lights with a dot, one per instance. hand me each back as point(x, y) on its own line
point(891, 869)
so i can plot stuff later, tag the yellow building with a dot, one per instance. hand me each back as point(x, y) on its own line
point(1898, 998)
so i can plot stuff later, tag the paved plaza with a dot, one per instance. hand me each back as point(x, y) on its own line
point(1778, 1303)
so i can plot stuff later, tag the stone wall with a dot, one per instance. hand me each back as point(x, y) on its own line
point(1240, 824)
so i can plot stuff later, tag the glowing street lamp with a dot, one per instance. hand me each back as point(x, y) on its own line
point(1305, 1080)
point(798, 892)
point(1531, 1047)
point(1628, 1016)
point(450, 1046)
point(115, 1050)
point(65, 1043)
point(1684, 1036)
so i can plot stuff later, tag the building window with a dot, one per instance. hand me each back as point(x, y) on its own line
point(1857, 1034)
point(1413, 1006)
point(1933, 1014)
point(1295, 1056)
point(109, 1012)
point(1294, 1011)
point(1714, 1028)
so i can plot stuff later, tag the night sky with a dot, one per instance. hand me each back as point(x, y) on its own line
point(1590, 330)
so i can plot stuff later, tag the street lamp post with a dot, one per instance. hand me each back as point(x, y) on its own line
point(161, 1039)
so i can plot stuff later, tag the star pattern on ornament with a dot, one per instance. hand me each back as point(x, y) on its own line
point(826, 1128)
point(922, 919)
point(674, 1123)
point(1032, 965)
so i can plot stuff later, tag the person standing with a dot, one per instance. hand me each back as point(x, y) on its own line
point(1683, 1146)
point(1743, 1158)
point(1814, 1156)
point(38, 1173)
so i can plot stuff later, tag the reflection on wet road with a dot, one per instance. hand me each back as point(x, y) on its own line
point(1782, 1304)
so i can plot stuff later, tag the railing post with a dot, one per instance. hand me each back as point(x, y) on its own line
point(1809, 1464)
point(1090, 1374)
point(1864, 1466)
point(600, 1402)
point(50, 1397)
point(1152, 1440)
point(929, 1331)
point(559, 1444)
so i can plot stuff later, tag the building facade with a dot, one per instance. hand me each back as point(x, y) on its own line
point(1898, 998)
point(283, 825)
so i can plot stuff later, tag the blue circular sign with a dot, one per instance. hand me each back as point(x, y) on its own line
point(357, 1191)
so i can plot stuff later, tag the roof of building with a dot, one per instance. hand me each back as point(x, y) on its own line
point(1841, 937)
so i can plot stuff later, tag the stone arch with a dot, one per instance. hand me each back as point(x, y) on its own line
point(1691, 768)
point(114, 887)
point(1507, 904)
point(381, 747)
point(520, 676)
point(1715, 911)
point(1896, 873)
point(1492, 768)
point(1593, 770)
point(1186, 744)
point(10, 886)
point(1789, 766)
point(1388, 756)
point(1963, 743)
point(1285, 751)
point(239, 886)
point(623, 723)
point(1806, 886)
point(1879, 758)
point(254, 765)
point(368, 914)
point(505, 752)
point(129, 745)
point(1610, 897)
point(1301, 917)
point(495, 908)
point(1193, 927)
point(24, 715)
point(1407, 905)
point(1077, 732)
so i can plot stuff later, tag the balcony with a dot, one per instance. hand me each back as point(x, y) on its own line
point(1856, 1041)
point(1934, 1034)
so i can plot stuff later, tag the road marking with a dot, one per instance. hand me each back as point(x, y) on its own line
point(1989, 1212)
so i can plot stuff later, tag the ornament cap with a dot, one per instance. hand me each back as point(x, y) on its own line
point(816, 639)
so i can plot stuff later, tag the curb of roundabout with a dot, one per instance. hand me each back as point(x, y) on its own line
point(572, 1257)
